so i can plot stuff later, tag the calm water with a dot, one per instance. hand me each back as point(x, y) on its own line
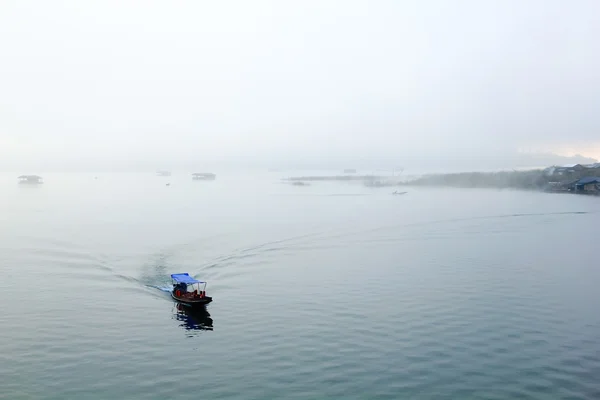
point(328, 291)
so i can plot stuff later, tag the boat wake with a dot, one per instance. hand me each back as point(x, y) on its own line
point(246, 258)
point(165, 289)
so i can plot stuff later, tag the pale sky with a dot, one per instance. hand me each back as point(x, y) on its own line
point(160, 83)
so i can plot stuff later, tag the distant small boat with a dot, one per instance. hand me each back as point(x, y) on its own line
point(397, 192)
point(181, 283)
point(203, 176)
point(163, 173)
point(30, 179)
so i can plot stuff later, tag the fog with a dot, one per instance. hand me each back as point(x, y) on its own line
point(304, 84)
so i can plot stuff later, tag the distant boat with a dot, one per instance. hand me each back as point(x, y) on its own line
point(30, 179)
point(397, 192)
point(203, 176)
point(163, 173)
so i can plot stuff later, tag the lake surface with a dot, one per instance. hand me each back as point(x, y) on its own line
point(333, 290)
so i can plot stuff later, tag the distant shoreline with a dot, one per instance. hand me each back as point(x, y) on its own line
point(335, 178)
point(552, 179)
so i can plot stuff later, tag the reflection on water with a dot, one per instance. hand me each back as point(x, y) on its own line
point(197, 319)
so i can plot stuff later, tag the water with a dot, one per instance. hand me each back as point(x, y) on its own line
point(333, 290)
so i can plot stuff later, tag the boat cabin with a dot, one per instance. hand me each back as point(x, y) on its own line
point(30, 179)
point(187, 288)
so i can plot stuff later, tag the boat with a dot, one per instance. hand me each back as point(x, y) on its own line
point(203, 176)
point(397, 192)
point(30, 179)
point(163, 173)
point(182, 283)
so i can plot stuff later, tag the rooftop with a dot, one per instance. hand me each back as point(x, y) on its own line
point(587, 180)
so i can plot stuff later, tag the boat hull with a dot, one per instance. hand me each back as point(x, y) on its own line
point(195, 302)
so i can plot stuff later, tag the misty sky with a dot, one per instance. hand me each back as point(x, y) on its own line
point(270, 83)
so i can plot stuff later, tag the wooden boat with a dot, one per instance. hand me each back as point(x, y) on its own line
point(203, 176)
point(182, 283)
point(30, 179)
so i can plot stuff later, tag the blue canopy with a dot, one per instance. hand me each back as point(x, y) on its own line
point(587, 180)
point(185, 278)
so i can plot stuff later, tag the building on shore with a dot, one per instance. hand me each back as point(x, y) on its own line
point(587, 185)
point(564, 169)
